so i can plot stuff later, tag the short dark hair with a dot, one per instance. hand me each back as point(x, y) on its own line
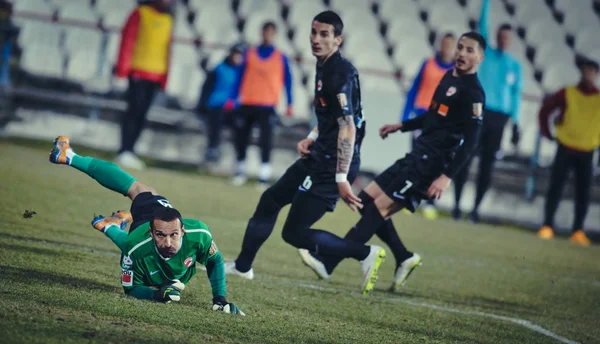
point(582, 61)
point(505, 26)
point(477, 37)
point(331, 18)
point(269, 25)
point(166, 214)
point(448, 35)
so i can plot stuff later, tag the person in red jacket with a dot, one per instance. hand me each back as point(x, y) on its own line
point(578, 136)
point(144, 60)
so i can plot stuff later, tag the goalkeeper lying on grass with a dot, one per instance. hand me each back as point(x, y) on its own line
point(162, 248)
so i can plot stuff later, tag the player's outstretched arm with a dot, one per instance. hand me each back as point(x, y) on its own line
point(215, 268)
point(345, 151)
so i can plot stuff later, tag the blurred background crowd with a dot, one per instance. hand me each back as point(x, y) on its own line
point(228, 84)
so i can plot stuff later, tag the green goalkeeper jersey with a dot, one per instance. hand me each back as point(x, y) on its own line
point(142, 265)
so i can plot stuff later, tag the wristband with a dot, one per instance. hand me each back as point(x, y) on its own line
point(313, 136)
point(341, 177)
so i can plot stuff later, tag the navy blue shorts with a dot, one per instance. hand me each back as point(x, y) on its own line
point(144, 206)
point(314, 177)
point(409, 178)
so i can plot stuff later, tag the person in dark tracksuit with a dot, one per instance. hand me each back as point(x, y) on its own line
point(215, 93)
point(144, 56)
point(264, 73)
point(500, 75)
point(330, 162)
point(578, 136)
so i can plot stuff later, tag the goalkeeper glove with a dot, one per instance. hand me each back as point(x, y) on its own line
point(169, 292)
point(220, 304)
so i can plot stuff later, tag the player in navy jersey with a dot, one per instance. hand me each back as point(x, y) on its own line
point(450, 132)
point(330, 162)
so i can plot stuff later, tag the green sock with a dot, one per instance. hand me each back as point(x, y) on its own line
point(106, 173)
point(117, 236)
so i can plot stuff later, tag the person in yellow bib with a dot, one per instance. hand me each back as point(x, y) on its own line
point(578, 136)
point(143, 59)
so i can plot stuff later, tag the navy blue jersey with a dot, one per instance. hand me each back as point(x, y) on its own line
point(451, 126)
point(337, 94)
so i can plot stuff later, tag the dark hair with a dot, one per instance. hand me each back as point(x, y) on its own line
point(448, 35)
point(584, 61)
point(331, 18)
point(165, 214)
point(505, 26)
point(477, 37)
point(269, 25)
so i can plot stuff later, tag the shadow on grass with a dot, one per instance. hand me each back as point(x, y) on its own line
point(14, 274)
point(56, 244)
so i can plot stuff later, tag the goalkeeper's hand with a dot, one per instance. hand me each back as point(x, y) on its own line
point(169, 292)
point(220, 304)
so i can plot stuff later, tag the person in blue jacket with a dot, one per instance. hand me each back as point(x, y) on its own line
point(215, 93)
point(500, 75)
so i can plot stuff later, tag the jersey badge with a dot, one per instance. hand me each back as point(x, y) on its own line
point(188, 262)
point(213, 249)
point(319, 85)
point(343, 100)
point(451, 91)
point(477, 109)
point(127, 261)
point(443, 110)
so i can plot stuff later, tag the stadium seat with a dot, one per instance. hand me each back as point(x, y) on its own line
point(181, 29)
point(82, 39)
point(559, 75)
point(398, 28)
point(184, 53)
point(254, 23)
point(43, 59)
point(111, 6)
point(581, 20)
point(40, 31)
point(392, 10)
point(363, 43)
point(549, 53)
point(82, 66)
point(410, 53)
point(112, 46)
point(269, 8)
point(301, 14)
point(379, 62)
point(184, 84)
point(594, 55)
point(360, 19)
point(115, 20)
point(439, 12)
point(214, 57)
point(587, 40)
point(302, 103)
point(216, 29)
point(79, 11)
point(529, 12)
point(539, 31)
point(382, 84)
point(497, 10)
point(34, 7)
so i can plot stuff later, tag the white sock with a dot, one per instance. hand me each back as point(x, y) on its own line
point(241, 168)
point(70, 154)
point(265, 172)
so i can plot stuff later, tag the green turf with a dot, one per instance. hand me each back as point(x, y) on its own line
point(60, 278)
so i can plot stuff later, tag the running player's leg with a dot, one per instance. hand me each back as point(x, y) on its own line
point(459, 182)
point(306, 209)
point(386, 232)
point(263, 220)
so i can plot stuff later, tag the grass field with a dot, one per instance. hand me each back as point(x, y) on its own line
point(478, 284)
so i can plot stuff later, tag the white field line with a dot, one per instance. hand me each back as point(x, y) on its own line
point(525, 323)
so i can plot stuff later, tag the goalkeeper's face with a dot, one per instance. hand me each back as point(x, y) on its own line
point(167, 236)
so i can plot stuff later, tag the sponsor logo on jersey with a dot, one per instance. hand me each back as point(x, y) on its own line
point(477, 109)
point(213, 248)
point(397, 195)
point(511, 78)
point(343, 100)
point(443, 110)
point(127, 260)
point(451, 91)
point(154, 272)
point(319, 85)
point(127, 278)
point(188, 262)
